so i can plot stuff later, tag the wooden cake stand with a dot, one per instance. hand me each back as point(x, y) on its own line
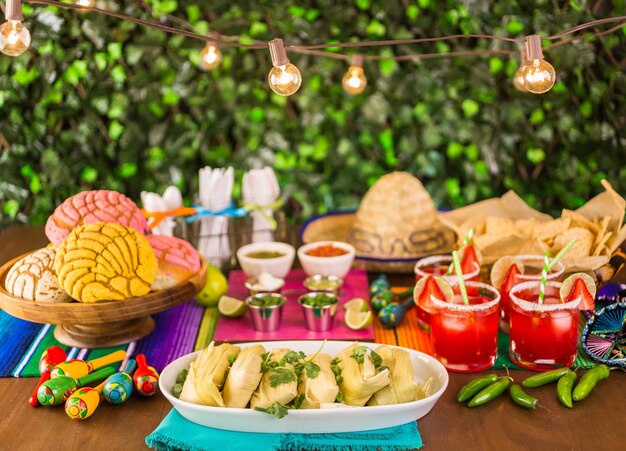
point(100, 324)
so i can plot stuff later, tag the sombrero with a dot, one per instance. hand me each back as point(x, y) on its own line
point(396, 224)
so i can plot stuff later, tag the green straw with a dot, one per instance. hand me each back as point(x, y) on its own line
point(544, 277)
point(561, 254)
point(459, 274)
point(467, 240)
point(548, 265)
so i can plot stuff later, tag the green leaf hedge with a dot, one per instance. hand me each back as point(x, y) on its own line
point(100, 103)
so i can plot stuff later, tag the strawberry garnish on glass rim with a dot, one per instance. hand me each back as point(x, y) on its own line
point(576, 286)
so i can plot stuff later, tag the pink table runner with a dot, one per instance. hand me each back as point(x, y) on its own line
point(292, 325)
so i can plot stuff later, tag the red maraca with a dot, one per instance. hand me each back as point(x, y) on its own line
point(146, 378)
point(49, 359)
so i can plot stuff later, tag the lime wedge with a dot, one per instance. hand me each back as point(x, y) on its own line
point(231, 307)
point(358, 304)
point(356, 320)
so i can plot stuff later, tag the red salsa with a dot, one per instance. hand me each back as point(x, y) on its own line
point(326, 250)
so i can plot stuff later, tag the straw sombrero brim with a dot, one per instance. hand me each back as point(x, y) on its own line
point(338, 226)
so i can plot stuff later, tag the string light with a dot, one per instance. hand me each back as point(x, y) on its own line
point(539, 75)
point(14, 36)
point(211, 56)
point(354, 82)
point(284, 78)
point(518, 78)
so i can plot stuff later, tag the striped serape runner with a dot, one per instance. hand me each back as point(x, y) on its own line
point(179, 331)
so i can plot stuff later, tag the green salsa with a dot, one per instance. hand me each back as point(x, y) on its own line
point(265, 301)
point(319, 300)
point(264, 254)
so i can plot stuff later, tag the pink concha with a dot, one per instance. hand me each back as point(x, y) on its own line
point(94, 206)
point(176, 251)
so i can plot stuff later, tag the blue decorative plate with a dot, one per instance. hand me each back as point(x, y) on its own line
point(604, 335)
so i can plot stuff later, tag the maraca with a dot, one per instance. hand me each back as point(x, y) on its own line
point(55, 391)
point(118, 387)
point(392, 314)
point(83, 402)
point(379, 285)
point(49, 359)
point(146, 378)
point(80, 368)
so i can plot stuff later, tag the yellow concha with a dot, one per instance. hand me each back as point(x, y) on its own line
point(105, 261)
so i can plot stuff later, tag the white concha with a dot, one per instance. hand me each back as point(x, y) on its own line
point(33, 278)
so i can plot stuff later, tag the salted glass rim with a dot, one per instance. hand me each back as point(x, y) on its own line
point(471, 307)
point(555, 272)
point(529, 306)
point(451, 278)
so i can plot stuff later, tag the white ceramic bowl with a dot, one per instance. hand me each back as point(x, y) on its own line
point(278, 267)
point(326, 266)
point(344, 419)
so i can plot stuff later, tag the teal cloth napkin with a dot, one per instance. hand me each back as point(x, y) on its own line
point(177, 433)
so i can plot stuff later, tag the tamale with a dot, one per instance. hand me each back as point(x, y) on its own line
point(244, 377)
point(282, 393)
point(403, 387)
point(321, 389)
point(360, 375)
point(210, 370)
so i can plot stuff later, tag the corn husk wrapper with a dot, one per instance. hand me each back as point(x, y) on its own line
point(266, 395)
point(509, 226)
point(209, 373)
point(403, 387)
point(321, 389)
point(360, 380)
point(189, 389)
point(244, 377)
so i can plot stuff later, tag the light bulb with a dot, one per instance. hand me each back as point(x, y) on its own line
point(284, 78)
point(354, 82)
point(211, 57)
point(14, 38)
point(539, 76)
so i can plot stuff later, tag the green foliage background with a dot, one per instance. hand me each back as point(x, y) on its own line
point(100, 103)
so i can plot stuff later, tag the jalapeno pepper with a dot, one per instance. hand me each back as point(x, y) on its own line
point(474, 386)
point(491, 392)
point(564, 389)
point(537, 380)
point(589, 380)
point(522, 398)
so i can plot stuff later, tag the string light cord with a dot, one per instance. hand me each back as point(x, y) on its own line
point(317, 49)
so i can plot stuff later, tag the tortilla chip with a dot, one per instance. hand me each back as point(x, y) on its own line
point(582, 247)
point(496, 225)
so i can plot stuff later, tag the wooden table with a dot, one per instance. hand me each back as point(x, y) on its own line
point(596, 423)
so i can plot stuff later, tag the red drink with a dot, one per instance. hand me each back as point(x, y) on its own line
point(437, 265)
point(533, 265)
point(543, 336)
point(465, 337)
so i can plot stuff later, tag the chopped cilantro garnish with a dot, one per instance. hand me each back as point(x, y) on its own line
point(282, 376)
point(275, 409)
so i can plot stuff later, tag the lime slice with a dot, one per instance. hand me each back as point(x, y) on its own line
point(435, 285)
point(231, 307)
point(358, 304)
point(579, 284)
point(501, 267)
point(356, 320)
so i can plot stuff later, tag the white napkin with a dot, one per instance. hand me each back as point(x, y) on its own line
point(154, 203)
point(216, 186)
point(260, 186)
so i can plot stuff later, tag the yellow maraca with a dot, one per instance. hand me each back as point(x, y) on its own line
point(80, 368)
point(83, 402)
